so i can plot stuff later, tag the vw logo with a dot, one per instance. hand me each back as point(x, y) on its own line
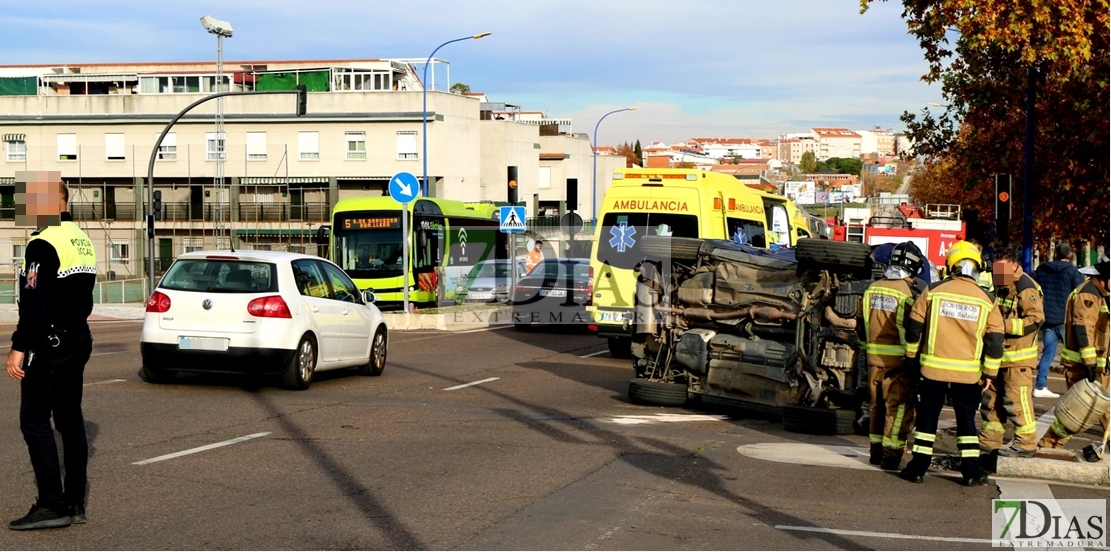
point(207, 304)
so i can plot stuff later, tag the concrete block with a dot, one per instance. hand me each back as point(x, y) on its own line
point(1065, 466)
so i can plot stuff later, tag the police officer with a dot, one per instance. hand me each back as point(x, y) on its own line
point(1020, 302)
point(50, 347)
point(1086, 341)
point(961, 334)
point(886, 303)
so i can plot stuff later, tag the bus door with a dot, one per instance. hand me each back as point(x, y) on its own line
point(428, 252)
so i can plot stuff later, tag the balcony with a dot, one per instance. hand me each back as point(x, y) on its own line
point(283, 212)
point(184, 211)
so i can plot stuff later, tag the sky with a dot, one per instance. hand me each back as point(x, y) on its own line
point(694, 68)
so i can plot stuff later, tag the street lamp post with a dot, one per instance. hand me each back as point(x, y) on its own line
point(221, 29)
point(594, 176)
point(424, 110)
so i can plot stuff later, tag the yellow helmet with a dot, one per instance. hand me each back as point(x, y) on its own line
point(960, 251)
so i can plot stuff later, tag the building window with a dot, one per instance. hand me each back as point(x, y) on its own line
point(545, 178)
point(182, 84)
point(308, 145)
point(121, 251)
point(114, 149)
point(17, 150)
point(356, 145)
point(67, 147)
point(19, 249)
point(167, 151)
point(256, 146)
point(407, 145)
point(214, 146)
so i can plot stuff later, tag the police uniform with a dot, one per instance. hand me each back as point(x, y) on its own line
point(955, 334)
point(56, 283)
point(886, 304)
point(1086, 347)
point(1020, 303)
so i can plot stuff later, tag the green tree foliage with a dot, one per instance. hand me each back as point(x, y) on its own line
point(808, 164)
point(459, 88)
point(638, 151)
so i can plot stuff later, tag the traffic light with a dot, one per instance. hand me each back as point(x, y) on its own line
point(158, 204)
point(511, 185)
point(572, 194)
point(1002, 207)
point(302, 99)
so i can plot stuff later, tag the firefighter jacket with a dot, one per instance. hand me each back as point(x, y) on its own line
point(1086, 332)
point(886, 304)
point(56, 283)
point(956, 331)
point(1020, 303)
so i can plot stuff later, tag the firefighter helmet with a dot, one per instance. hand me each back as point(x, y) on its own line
point(960, 251)
point(907, 255)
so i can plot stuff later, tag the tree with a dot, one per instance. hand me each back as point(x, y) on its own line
point(459, 88)
point(999, 48)
point(807, 163)
point(639, 152)
point(844, 165)
point(625, 150)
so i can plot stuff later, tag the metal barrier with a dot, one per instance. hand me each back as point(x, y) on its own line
point(120, 291)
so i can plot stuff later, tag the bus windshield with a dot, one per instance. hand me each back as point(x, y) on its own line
point(368, 243)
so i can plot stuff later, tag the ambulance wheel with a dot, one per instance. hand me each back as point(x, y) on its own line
point(818, 421)
point(836, 253)
point(666, 247)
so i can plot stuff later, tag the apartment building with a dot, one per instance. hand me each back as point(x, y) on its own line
point(877, 141)
point(836, 142)
point(270, 178)
point(791, 147)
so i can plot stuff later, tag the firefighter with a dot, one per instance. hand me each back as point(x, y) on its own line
point(1086, 342)
point(955, 341)
point(1020, 302)
point(886, 304)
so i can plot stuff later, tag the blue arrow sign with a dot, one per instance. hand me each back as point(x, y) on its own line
point(404, 187)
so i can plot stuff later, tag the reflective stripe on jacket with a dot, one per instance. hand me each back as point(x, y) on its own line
point(1020, 303)
point(956, 330)
point(1086, 332)
point(886, 304)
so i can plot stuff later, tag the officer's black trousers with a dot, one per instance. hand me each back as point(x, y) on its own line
point(51, 386)
point(966, 405)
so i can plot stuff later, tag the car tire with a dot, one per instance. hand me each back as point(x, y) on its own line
point(157, 376)
point(378, 348)
point(832, 253)
point(302, 366)
point(666, 247)
point(620, 347)
point(657, 393)
point(818, 421)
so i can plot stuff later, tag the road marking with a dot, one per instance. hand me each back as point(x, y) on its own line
point(470, 384)
point(103, 382)
point(114, 353)
point(1044, 421)
point(879, 535)
point(201, 449)
point(595, 354)
point(1020, 490)
point(665, 418)
point(491, 328)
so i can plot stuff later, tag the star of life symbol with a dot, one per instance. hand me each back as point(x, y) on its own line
point(621, 236)
point(739, 236)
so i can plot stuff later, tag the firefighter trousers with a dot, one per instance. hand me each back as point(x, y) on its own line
point(1057, 436)
point(931, 399)
point(1011, 398)
point(891, 413)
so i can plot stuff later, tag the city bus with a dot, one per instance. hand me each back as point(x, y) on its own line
point(446, 238)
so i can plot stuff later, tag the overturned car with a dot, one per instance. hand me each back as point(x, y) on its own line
point(769, 332)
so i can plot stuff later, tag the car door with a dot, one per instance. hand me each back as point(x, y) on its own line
point(356, 317)
point(324, 311)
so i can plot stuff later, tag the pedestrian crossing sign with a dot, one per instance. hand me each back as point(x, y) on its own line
point(512, 219)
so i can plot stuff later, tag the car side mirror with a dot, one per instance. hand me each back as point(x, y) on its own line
point(368, 296)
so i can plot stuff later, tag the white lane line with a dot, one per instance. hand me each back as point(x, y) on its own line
point(665, 418)
point(879, 535)
point(1030, 490)
point(103, 382)
point(115, 352)
point(470, 384)
point(491, 328)
point(201, 449)
point(594, 354)
point(1044, 421)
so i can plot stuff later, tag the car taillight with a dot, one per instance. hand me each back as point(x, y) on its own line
point(590, 286)
point(158, 302)
point(269, 307)
point(592, 327)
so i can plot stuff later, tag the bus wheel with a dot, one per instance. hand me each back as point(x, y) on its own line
point(620, 347)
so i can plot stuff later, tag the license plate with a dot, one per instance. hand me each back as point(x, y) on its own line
point(611, 316)
point(202, 344)
point(553, 292)
point(480, 296)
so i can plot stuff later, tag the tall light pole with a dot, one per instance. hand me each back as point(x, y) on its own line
point(221, 29)
point(594, 176)
point(424, 109)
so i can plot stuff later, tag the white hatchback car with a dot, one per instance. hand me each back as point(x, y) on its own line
point(260, 313)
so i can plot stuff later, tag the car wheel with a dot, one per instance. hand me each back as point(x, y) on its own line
point(298, 375)
point(620, 347)
point(377, 361)
point(157, 376)
point(818, 421)
point(657, 393)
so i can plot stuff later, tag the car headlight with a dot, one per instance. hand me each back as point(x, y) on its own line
point(459, 289)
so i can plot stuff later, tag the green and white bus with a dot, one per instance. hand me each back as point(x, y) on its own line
point(446, 238)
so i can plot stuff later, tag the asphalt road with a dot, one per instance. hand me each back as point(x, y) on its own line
point(549, 455)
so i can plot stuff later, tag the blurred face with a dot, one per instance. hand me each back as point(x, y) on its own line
point(1003, 272)
point(539, 246)
point(38, 198)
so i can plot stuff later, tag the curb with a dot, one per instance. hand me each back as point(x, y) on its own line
point(451, 322)
point(1070, 468)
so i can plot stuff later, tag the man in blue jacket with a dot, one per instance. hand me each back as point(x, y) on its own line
point(1058, 278)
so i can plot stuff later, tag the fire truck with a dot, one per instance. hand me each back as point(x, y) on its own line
point(933, 227)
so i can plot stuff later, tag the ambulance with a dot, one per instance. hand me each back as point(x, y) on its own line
point(681, 203)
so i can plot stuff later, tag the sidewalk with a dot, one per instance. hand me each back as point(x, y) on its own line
point(9, 314)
